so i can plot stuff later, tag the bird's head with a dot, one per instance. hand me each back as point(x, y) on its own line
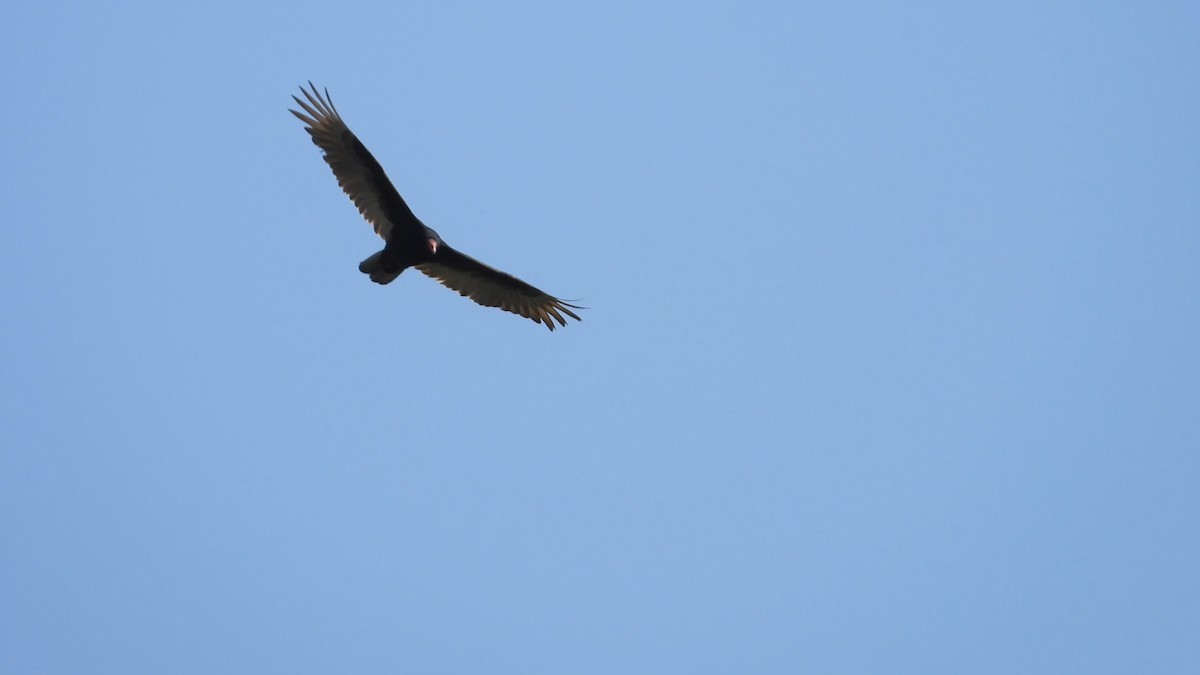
point(432, 240)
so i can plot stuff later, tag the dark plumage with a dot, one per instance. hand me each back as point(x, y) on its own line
point(409, 242)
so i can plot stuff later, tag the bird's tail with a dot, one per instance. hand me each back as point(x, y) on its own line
point(374, 267)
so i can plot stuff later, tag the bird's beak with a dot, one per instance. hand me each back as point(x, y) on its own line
point(432, 245)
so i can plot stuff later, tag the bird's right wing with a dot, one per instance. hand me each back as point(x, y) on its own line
point(357, 172)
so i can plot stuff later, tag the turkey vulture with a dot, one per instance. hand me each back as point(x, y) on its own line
point(409, 242)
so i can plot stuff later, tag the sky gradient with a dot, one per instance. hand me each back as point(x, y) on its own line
point(891, 361)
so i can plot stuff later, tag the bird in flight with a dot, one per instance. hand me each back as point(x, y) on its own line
point(408, 241)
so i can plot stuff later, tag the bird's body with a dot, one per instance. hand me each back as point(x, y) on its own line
point(409, 242)
point(409, 248)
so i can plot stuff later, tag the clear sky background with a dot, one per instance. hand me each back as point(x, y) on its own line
point(892, 361)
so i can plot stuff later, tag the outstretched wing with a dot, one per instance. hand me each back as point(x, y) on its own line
point(492, 288)
point(356, 170)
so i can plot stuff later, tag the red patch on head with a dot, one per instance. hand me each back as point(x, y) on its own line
point(432, 245)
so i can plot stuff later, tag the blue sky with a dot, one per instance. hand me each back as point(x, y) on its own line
point(890, 364)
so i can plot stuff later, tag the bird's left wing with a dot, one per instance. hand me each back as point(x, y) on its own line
point(360, 176)
point(492, 288)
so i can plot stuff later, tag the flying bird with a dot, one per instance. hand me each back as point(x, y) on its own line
point(409, 242)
